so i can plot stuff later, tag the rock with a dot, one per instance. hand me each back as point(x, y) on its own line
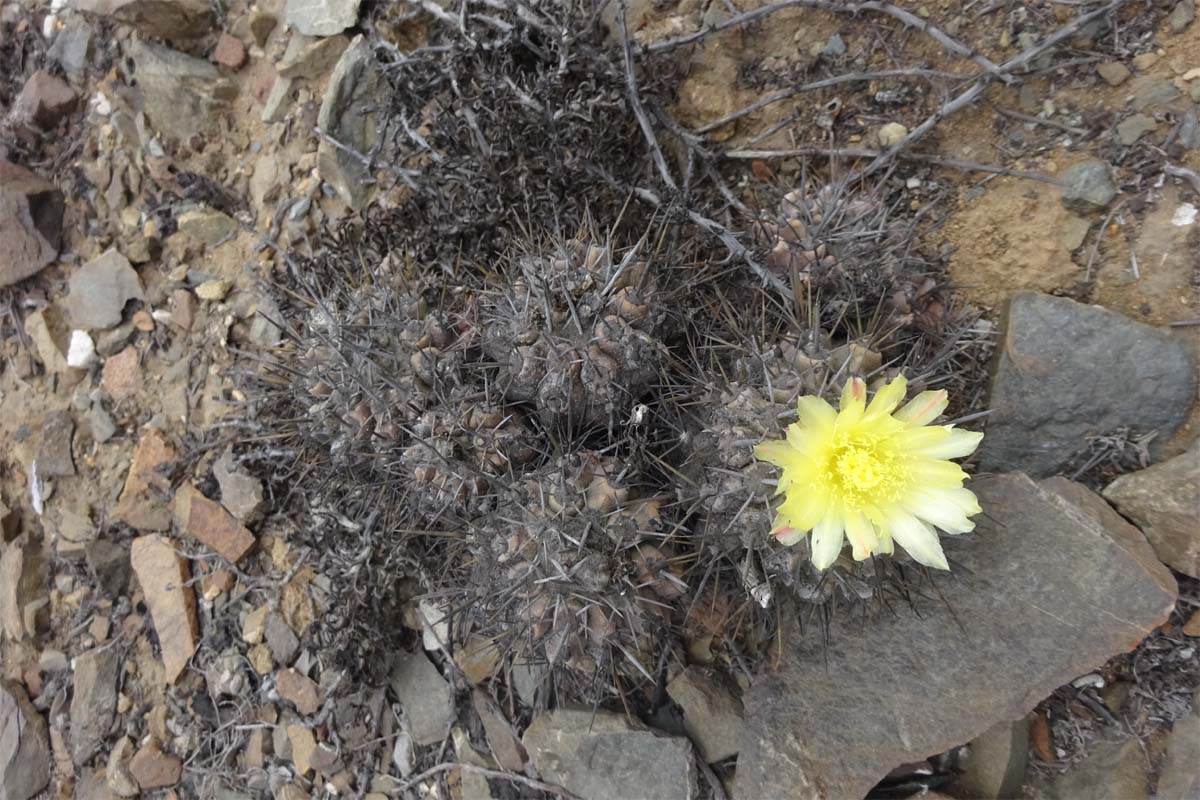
point(834, 47)
point(229, 52)
point(892, 134)
point(100, 422)
point(1164, 501)
point(1074, 231)
point(261, 25)
point(94, 702)
point(81, 350)
point(121, 375)
point(226, 675)
point(72, 47)
point(303, 745)
point(1181, 16)
point(211, 524)
point(1110, 772)
point(1087, 187)
point(1114, 73)
point(24, 750)
point(119, 780)
point(100, 289)
point(599, 755)
point(281, 639)
point(299, 690)
point(109, 562)
point(154, 769)
point(210, 228)
point(505, 746)
point(1179, 778)
point(31, 212)
point(424, 696)
point(275, 107)
point(321, 17)
point(311, 58)
point(142, 503)
point(44, 100)
point(92, 785)
point(22, 586)
point(1048, 393)
point(1040, 594)
point(404, 755)
point(241, 492)
point(1132, 128)
point(1149, 93)
point(214, 291)
point(995, 765)
point(712, 715)
point(254, 626)
point(54, 457)
point(182, 94)
point(163, 19)
point(350, 115)
point(50, 335)
point(164, 577)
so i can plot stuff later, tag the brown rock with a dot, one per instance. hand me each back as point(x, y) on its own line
point(504, 744)
point(121, 376)
point(1164, 501)
point(143, 321)
point(229, 52)
point(303, 744)
point(1039, 571)
point(154, 769)
point(1114, 73)
point(142, 503)
point(183, 308)
point(996, 761)
point(1179, 778)
point(24, 750)
point(216, 582)
point(164, 578)
point(44, 100)
point(298, 689)
point(165, 19)
point(1112, 771)
point(54, 458)
point(712, 714)
point(51, 335)
point(117, 776)
point(22, 584)
point(208, 522)
point(1192, 626)
point(94, 702)
point(31, 211)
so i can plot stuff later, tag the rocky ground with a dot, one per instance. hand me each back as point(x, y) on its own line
point(213, 216)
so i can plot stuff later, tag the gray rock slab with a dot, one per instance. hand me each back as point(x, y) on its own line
point(1179, 778)
point(99, 290)
point(598, 755)
point(1111, 771)
point(94, 703)
point(1065, 370)
point(712, 714)
point(350, 114)
point(321, 17)
point(1164, 501)
point(996, 762)
point(182, 95)
point(424, 696)
point(24, 750)
point(1041, 593)
point(1088, 187)
point(31, 212)
point(165, 19)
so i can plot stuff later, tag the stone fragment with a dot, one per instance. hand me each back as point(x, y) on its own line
point(81, 350)
point(72, 47)
point(229, 52)
point(303, 744)
point(44, 100)
point(424, 696)
point(275, 107)
point(1113, 771)
point(164, 577)
point(226, 674)
point(163, 19)
point(712, 715)
point(211, 524)
point(1179, 779)
point(1181, 16)
point(1040, 571)
point(154, 769)
point(1134, 127)
point(505, 746)
point(142, 503)
point(254, 626)
point(350, 114)
point(891, 134)
point(1164, 501)
point(24, 749)
point(241, 492)
point(1048, 394)
point(1150, 93)
point(50, 335)
point(121, 375)
point(299, 690)
point(281, 639)
point(309, 58)
point(598, 755)
point(261, 25)
point(996, 762)
point(31, 212)
point(1114, 73)
point(321, 17)
point(109, 562)
point(54, 457)
point(208, 227)
point(94, 702)
point(118, 778)
point(1087, 187)
point(183, 95)
point(1074, 231)
point(22, 585)
point(99, 290)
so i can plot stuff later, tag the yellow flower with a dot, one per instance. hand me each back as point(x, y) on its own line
point(876, 475)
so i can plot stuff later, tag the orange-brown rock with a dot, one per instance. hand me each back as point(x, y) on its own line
point(209, 522)
point(142, 503)
point(164, 577)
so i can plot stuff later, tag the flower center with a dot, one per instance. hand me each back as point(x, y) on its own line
point(860, 468)
point(866, 473)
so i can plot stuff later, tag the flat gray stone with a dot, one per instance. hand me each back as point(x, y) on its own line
point(1179, 778)
point(1112, 771)
point(182, 95)
point(1134, 127)
point(995, 765)
point(310, 58)
point(281, 639)
point(54, 452)
point(1181, 16)
point(1041, 593)
point(598, 755)
point(424, 696)
point(31, 211)
point(99, 290)
point(712, 714)
point(24, 750)
point(164, 19)
point(1065, 370)
point(1164, 501)
point(1088, 187)
point(321, 17)
point(350, 114)
point(94, 704)
point(241, 492)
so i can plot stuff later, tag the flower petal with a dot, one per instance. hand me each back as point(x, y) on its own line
point(861, 534)
point(956, 445)
point(779, 453)
point(935, 474)
point(935, 508)
point(918, 540)
point(788, 536)
point(854, 395)
point(827, 540)
point(887, 398)
point(815, 413)
point(804, 509)
point(924, 408)
point(965, 499)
